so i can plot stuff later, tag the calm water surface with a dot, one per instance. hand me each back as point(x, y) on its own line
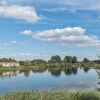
point(30, 80)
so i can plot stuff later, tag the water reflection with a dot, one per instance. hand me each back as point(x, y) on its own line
point(71, 71)
point(86, 69)
point(9, 73)
point(51, 78)
point(54, 71)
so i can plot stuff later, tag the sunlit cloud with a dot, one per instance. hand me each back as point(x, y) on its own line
point(68, 36)
point(24, 13)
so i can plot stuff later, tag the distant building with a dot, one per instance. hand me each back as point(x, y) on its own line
point(9, 64)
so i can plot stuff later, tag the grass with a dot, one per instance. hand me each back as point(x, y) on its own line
point(52, 95)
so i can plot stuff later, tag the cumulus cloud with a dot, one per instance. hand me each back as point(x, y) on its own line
point(57, 33)
point(26, 32)
point(68, 36)
point(68, 4)
point(25, 13)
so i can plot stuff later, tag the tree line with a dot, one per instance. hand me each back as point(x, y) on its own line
point(7, 60)
point(67, 59)
point(53, 59)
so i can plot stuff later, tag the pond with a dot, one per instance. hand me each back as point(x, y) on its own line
point(31, 80)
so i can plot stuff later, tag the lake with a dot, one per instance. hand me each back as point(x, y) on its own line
point(70, 79)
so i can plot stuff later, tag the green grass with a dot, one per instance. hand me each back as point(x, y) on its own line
point(52, 95)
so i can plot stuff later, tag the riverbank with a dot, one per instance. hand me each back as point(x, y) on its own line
point(54, 69)
point(61, 66)
point(52, 95)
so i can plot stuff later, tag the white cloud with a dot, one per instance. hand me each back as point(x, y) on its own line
point(26, 32)
point(71, 5)
point(25, 54)
point(25, 13)
point(68, 4)
point(68, 36)
point(54, 33)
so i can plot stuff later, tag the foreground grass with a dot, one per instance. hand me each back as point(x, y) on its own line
point(52, 95)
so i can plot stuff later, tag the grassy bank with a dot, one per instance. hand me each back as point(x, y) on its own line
point(52, 95)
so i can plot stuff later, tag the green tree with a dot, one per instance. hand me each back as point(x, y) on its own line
point(68, 59)
point(85, 60)
point(55, 59)
point(22, 63)
point(38, 61)
point(7, 60)
point(74, 59)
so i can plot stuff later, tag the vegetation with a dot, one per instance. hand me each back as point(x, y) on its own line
point(55, 59)
point(85, 60)
point(74, 60)
point(55, 63)
point(52, 95)
point(7, 60)
point(68, 59)
point(69, 65)
point(96, 61)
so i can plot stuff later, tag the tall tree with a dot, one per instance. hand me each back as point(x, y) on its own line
point(55, 59)
point(74, 59)
point(85, 60)
point(68, 59)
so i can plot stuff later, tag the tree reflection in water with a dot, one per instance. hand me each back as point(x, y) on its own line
point(86, 69)
point(26, 72)
point(71, 71)
point(54, 71)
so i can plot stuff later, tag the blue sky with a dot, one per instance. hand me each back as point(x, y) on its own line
point(31, 29)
